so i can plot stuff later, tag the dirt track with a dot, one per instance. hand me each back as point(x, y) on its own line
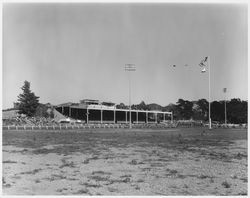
point(171, 162)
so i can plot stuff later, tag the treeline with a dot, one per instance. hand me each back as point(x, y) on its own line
point(198, 110)
point(28, 104)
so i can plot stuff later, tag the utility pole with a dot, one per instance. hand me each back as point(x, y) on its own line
point(129, 68)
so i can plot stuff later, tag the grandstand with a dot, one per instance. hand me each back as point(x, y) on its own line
point(94, 111)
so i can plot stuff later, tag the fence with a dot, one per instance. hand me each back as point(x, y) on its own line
point(65, 127)
point(111, 126)
point(89, 126)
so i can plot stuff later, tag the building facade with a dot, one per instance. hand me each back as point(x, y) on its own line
point(94, 111)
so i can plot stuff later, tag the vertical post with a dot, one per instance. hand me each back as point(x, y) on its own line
point(146, 117)
point(129, 68)
point(164, 117)
point(114, 116)
point(225, 112)
point(225, 90)
point(130, 121)
point(172, 117)
point(126, 117)
point(101, 116)
point(69, 112)
point(87, 115)
point(155, 117)
point(137, 117)
point(209, 97)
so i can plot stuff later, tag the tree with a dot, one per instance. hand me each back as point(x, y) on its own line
point(142, 106)
point(185, 109)
point(121, 106)
point(172, 108)
point(237, 111)
point(217, 111)
point(202, 109)
point(43, 110)
point(28, 101)
point(198, 110)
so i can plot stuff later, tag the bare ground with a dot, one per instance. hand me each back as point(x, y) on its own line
point(122, 162)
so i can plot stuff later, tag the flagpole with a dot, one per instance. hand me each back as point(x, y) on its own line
point(225, 112)
point(209, 94)
point(225, 89)
point(130, 123)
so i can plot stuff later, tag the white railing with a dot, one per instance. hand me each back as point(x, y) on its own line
point(103, 107)
point(80, 126)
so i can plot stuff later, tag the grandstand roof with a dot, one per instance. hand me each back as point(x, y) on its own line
point(65, 104)
point(89, 101)
point(108, 103)
point(100, 107)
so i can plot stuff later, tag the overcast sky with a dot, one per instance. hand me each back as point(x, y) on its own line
point(71, 52)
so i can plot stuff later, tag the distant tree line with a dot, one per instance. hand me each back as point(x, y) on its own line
point(198, 110)
point(28, 104)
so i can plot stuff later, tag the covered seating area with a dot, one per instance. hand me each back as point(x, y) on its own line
point(99, 113)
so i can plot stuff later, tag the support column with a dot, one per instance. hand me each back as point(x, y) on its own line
point(114, 116)
point(69, 112)
point(172, 117)
point(87, 116)
point(155, 117)
point(126, 116)
point(164, 117)
point(146, 117)
point(137, 117)
point(101, 116)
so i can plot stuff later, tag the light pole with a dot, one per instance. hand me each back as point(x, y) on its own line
point(129, 68)
point(225, 90)
point(207, 59)
point(209, 95)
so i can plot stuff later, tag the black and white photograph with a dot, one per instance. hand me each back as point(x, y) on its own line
point(125, 99)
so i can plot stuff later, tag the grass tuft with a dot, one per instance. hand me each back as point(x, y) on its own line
point(140, 180)
point(9, 162)
point(126, 180)
point(91, 185)
point(226, 184)
point(86, 161)
point(203, 176)
point(126, 176)
point(31, 172)
point(67, 164)
point(133, 162)
point(82, 191)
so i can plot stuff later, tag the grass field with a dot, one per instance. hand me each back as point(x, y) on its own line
point(124, 162)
